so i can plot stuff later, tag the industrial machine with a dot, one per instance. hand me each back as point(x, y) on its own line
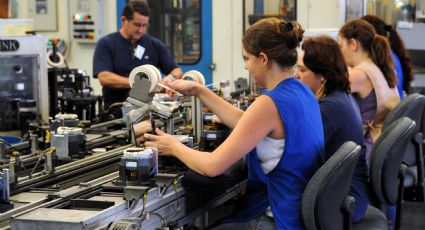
point(138, 166)
point(213, 134)
point(143, 103)
point(23, 88)
point(70, 92)
point(122, 187)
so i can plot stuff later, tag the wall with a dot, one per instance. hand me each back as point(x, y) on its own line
point(228, 27)
point(313, 14)
point(227, 37)
point(227, 31)
point(78, 55)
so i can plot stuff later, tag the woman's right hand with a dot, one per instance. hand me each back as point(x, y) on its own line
point(186, 87)
point(216, 120)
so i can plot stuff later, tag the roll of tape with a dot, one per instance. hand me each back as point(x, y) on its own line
point(149, 71)
point(194, 75)
point(55, 64)
point(66, 116)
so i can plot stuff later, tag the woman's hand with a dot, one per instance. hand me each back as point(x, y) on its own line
point(216, 120)
point(142, 128)
point(167, 80)
point(162, 141)
point(186, 87)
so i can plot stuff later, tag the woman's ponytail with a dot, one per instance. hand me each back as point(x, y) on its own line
point(380, 54)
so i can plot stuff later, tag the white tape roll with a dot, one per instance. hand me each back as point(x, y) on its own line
point(194, 75)
point(137, 152)
point(150, 71)
point(55, 64)
point(66, 116)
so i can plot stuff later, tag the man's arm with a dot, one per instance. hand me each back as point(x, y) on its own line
point(113, 80)
point(103, 66)
point(176, 73)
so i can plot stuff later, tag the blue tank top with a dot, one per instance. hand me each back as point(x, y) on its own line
point(399, 71)
point(282, 188)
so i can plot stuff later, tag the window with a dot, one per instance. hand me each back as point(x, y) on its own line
point(177, 23)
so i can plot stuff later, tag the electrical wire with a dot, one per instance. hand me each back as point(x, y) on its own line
point(46, 151)
point(163, 221)
point(144, 197)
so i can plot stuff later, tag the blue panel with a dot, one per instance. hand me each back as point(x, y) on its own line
point(206, 43)
point(259, 7)
point(120, 7)
point(206, 39)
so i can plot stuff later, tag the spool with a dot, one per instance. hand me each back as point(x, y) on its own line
point(146, 71)
point(66, 116)
point(51, 63)
point(69, 130)
point(194, 75)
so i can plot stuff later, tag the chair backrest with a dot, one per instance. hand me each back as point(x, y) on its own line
point(412, 107)
point(327, 189)
point(386, 158)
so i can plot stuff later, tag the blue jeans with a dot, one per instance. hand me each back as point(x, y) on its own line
point(263, 222)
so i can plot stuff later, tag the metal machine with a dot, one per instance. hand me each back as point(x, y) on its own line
point(138, 166)
point(123, 187)
point(143, 103)
point(70, 92)
point(69, 141)
point(23, 77)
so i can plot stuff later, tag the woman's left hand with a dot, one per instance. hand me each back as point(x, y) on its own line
point(162, 141)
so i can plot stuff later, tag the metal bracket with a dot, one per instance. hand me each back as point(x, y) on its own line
point(140, 90)
point(132, 193)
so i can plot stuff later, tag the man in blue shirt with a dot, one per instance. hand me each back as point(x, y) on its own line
point(118, 53)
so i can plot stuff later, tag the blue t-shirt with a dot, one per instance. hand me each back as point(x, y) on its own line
point(115, 54)
point(399, 72)
point(282, 188)
point(341, 123)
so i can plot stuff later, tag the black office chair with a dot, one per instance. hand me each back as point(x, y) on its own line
point(386, 171)
point(412, 107)
point(327, 190)
point(325, 204)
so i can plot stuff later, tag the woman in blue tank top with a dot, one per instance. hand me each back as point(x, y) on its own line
point(281, 133)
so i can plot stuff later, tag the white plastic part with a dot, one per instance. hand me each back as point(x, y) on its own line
point(194, 75)
point(20, 86)
point(66, 116)
point(137, 152)
point(69, 130)
point(60, 62)
point(150, 71)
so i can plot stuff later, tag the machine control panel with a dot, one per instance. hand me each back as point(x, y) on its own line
point(87, 20)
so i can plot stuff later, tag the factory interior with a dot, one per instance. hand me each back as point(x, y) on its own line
point(212, 114)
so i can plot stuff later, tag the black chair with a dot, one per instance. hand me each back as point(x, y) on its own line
point(325, 204)
point(327, 190)
point(412, 107)
point(386, 171)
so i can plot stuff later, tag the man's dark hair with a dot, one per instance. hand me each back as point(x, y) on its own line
point(132, 7)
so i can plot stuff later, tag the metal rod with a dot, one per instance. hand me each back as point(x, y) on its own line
point(166, 87)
